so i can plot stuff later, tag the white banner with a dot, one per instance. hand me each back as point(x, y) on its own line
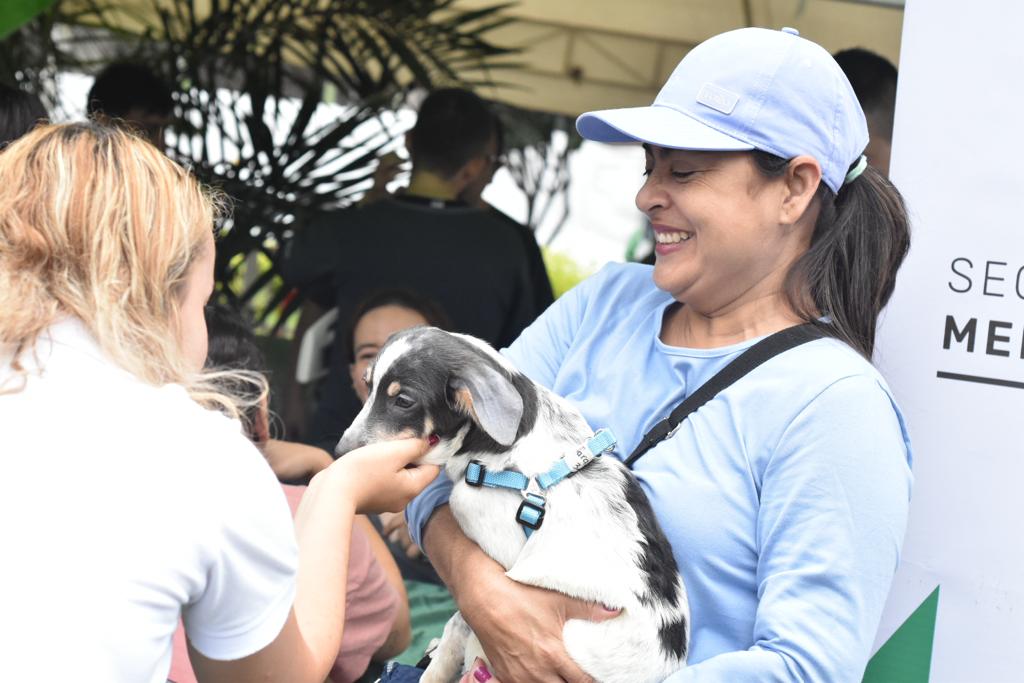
point(952, 344)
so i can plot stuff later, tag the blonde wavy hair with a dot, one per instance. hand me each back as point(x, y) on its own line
point(100, 225)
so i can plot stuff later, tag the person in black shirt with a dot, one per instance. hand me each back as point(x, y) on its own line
point(469, 260)
point(473, 195)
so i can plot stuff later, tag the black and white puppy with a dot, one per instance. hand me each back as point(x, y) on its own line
point(599, 540)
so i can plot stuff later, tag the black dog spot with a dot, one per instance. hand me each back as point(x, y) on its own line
point(656, 560)
point(673, 638)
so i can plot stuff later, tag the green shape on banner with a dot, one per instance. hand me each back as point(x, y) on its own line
point(907, 656)
point(14, 13)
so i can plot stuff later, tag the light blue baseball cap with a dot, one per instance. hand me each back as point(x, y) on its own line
point(751, 88)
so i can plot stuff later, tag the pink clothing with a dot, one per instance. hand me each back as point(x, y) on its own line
point(370, 608)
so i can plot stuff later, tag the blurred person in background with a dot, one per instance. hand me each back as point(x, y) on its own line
point(473, 195)
point(20, 112)
point(873, 78)
point(132, 95)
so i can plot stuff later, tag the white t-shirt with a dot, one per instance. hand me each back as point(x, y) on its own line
point(123, 507)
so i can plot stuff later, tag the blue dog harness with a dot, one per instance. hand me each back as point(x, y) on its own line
point(531, 511)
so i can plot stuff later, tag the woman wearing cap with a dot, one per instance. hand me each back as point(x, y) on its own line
point(785, 497)
point(129, 504)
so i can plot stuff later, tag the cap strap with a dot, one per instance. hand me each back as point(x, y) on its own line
point(855, 172)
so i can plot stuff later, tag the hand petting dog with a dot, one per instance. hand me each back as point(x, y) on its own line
point(383, 477)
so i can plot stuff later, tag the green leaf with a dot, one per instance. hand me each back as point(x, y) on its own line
point(15, 13)
point(907, 656)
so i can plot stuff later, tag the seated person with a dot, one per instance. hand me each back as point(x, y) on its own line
point(377, 317)
point(377, 616)
point(233, 347)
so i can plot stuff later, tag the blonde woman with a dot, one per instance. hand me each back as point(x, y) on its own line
point(106, 260)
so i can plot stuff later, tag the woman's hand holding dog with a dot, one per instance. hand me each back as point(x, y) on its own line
point(519, 626)
point(523, 639)
point(381, 477)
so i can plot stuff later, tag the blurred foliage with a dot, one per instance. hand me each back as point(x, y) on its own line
point(564, 272)
point(14, 13)
point(537, 148)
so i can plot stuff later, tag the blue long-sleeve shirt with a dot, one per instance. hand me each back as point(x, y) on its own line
point(785, 498)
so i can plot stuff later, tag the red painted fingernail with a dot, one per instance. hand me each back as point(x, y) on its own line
point(482, 674)
point(433, 439)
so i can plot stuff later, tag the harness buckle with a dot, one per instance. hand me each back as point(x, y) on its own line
point(531, 512)
point(475, 473)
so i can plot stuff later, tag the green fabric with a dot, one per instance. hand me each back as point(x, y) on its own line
point(14, 13)
point(430, 608)
point(907, 656)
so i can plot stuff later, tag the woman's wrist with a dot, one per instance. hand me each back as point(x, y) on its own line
point(336, 482)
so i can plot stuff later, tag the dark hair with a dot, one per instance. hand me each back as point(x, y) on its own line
point(123, 86)
point(232, 346)
point(404, 298)
point(20, 111)
point(873, 78)
point(453, 127)
point(860, 239)
point(499, 135)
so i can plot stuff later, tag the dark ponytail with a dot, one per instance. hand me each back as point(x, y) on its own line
point(860, 239)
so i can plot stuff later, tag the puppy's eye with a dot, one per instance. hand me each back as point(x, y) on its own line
point(404, 402)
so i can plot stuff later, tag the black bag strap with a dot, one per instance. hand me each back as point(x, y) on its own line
point(767, 348)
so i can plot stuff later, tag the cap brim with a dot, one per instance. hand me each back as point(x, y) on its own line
point(656, 125)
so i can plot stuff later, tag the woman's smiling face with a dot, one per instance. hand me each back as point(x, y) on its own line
point(716, 222)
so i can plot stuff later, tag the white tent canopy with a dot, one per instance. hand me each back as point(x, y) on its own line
point(580, 55)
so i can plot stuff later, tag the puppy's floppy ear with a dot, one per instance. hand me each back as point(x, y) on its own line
point(490, 399)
